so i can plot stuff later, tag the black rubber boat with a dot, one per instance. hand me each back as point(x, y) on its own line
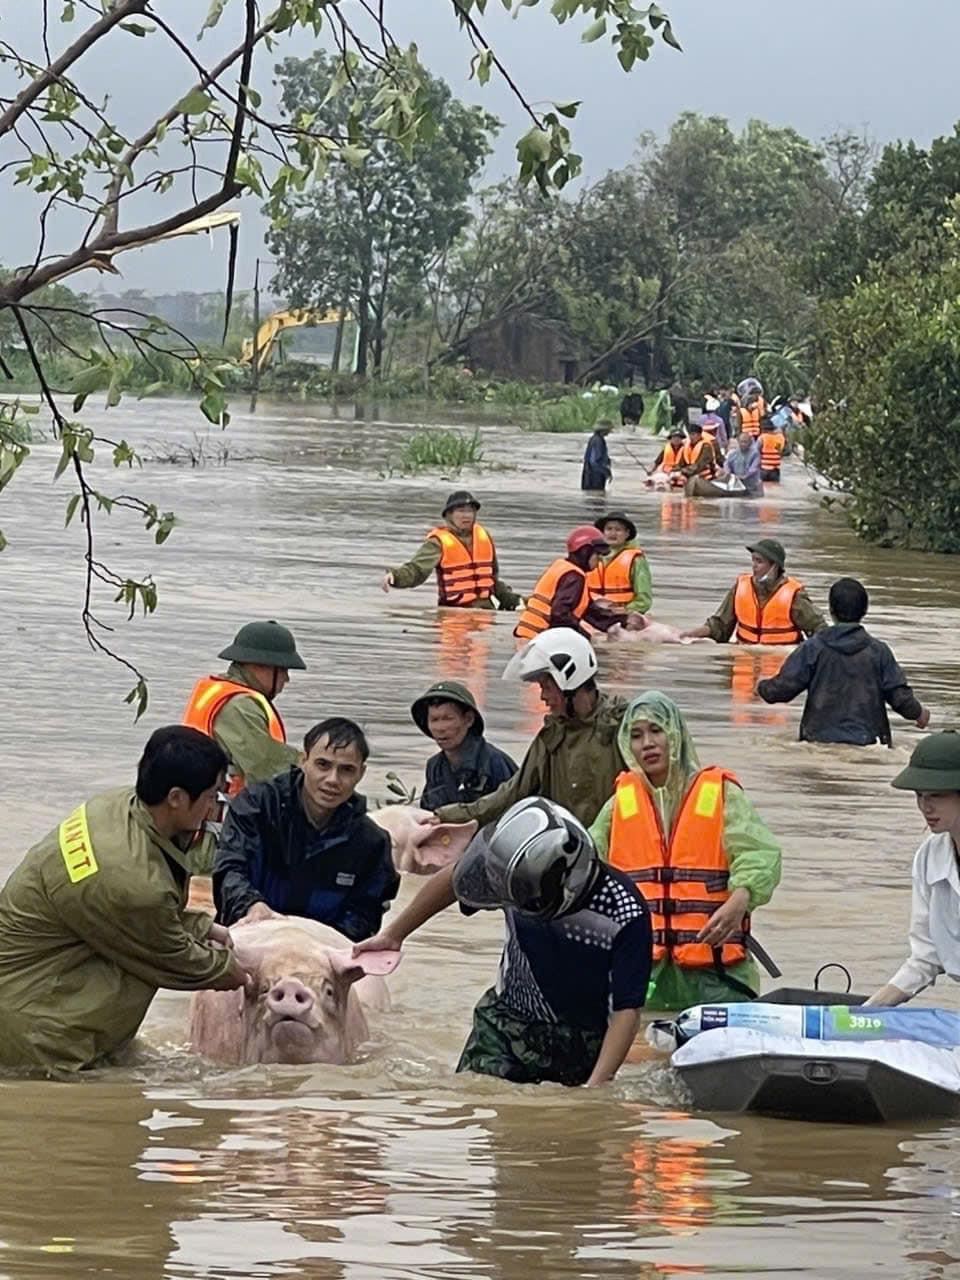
point(850, 1090)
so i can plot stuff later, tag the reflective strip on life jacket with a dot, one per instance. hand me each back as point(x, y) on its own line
point(769, 623)
point(210, 695)
point(613, 581)
point(684, 879)
point(536, 616)
point(463, 576)
point(772, 445)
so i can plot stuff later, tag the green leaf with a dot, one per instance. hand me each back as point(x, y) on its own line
point(71, 508)
point(3, 541)
point(140, 696)
point(568, 109)
point(594, 31)
point(136, 29)
point(196, 103)
point(214, 15)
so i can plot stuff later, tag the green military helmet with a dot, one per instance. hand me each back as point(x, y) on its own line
point(934, 764)
point(268, 644)
point(771, 550)
point(446, 691)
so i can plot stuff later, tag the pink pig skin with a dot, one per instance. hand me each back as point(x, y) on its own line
point(418, 846)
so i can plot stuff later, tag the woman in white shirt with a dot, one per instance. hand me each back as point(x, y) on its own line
point(934, 774)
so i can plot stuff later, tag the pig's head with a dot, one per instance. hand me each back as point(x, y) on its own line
point(301, 1006)
point(420, 844)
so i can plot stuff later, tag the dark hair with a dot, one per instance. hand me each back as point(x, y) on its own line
point(176, 756)
point(339, 732)
point(848, 600)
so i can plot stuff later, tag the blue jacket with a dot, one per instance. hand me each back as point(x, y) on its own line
point(481, 769)
point(596, 464)
point(269, 851)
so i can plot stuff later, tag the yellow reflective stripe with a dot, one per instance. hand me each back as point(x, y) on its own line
point(708, 797)
point(76, 847)
point(627, 801)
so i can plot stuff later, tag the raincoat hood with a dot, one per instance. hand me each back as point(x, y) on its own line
point(847, 637)
point(684, 762)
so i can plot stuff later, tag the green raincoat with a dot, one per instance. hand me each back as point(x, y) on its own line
point(92, 923)
point(752, 851)
point(425, 560)
point(574, 762)
point(241, 729)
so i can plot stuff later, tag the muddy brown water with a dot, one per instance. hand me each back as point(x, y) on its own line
point(395, 1167)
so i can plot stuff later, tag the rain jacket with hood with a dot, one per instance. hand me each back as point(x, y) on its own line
point(849, 677)
point(575, 762)
point(424, 561)
point(752, 852)
point(85, 943)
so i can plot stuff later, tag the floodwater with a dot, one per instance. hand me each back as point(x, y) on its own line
point(395, 1167)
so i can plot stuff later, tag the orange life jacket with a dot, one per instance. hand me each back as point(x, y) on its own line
point(750, 419)
point(536, 616)
point(210, 695)
point(463, 576)
point(770, 623)
point(671, 457)
point(613, 581)
point(772, 445)
point(690, 455)
point(684, 877)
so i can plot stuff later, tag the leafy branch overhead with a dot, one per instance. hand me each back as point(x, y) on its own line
point(98, 182)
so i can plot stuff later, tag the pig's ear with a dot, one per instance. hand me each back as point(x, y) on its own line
point(353, 968)
point(439, 846)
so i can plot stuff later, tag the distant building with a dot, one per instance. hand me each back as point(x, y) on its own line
point(526, 348)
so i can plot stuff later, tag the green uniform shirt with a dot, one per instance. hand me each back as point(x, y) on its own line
point(419, 568)
point(92, 923)
point(241, 729)
point(804, 616)
point(574, 762)
point(640, 580)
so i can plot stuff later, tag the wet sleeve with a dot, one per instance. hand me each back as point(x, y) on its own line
point(893, 682)
point(504, 594)
point(148, 938)
point(804, 616)
point(723, 622)
point(566, 597)
point(602, 619)
point(924, 966)
point(238, 866)
point(600, 831)
point(630, 962)
point(363, 914)
point(792, 678)
point(419, 568)
point(642, 584)
point(526, 782)
point(241, 729)
point(752, 851)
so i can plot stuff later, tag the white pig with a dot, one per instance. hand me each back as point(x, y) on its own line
point(418, 844)
point(307, 1001)
point(652, 633)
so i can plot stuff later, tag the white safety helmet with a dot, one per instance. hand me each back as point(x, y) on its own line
point(559, 652)
point(537, 859)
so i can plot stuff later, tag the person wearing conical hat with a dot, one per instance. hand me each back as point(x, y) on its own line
point(462, 554)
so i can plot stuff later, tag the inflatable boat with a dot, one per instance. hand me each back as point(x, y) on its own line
point(815, 1055)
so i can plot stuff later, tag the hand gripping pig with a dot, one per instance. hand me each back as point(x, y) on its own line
point(306, 1002)
point(420, 843)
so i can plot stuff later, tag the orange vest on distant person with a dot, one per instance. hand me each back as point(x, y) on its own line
point(750, 419)
point(671, 457)
point(690, 455)
point(613, 581)
point(536, 616)
point(770, 623)
point(463, 576)
point(210, 695)
point(684, 877)
point(772, 445)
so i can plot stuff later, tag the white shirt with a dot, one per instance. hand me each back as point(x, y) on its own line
point(934, 917)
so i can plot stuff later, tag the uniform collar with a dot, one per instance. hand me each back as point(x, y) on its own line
point(144, 820)
point(941, 860)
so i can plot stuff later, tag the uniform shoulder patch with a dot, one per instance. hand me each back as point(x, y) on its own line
point(76, 847)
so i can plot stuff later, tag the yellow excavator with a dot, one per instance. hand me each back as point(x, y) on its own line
point(274, 325)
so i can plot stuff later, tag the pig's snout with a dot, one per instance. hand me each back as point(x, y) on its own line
point(289, 998)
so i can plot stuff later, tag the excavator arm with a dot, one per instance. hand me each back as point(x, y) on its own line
point(269, 330)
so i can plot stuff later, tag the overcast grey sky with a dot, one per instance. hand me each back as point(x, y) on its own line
point(815, 65)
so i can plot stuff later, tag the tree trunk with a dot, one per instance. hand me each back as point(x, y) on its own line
point(363, 329)
point(338, 340)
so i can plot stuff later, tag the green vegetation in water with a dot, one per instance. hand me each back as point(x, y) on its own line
point(448, 451)
point(576, 413)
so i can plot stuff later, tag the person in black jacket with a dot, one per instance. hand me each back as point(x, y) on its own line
point(467, 766)
point(302, 844)
point(849, 676)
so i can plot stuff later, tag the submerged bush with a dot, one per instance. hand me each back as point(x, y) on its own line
point(576, 413)
point(448, 450)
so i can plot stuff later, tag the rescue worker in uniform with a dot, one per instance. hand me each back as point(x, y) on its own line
point(772, 445)
point(622, 578)
point(237, 709)
point(765, 606)
point(574, 759)
point(752, 411)
point(699, 853)
point(562, 596)
point(668, 460)
point(464, 558)
point(698, 458)
point(93, 920)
